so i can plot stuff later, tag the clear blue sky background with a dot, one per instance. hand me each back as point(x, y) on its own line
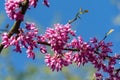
point(97, 22)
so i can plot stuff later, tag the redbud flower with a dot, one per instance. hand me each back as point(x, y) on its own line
point(57, 61)
point(58, 36)
point(98, 76)
point(13, 8)
point(30, 53)
point(5, 40)
point(65, 50)
point(25, 39)
point(46, 3)
point(43, 49)
point(33, 3)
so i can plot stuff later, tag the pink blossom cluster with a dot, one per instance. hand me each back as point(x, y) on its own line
point(96, 52)
point(78, 51)
point(13, 7)
point(58, 37)
point(58, 61)
point(25, 39)
point(65, 50)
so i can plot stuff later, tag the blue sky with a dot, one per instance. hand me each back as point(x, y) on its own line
point(97, 22)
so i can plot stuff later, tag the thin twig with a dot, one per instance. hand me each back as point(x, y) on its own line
point(73, 20)
point(77, 15)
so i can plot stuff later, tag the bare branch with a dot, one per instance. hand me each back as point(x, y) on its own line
point(77, 15)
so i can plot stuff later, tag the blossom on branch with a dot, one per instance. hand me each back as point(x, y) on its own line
point(58, 36)
point(65, 50)
point(13, 8)
point(25, 39)
point(58, 61)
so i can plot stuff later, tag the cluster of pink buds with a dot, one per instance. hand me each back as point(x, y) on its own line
point(25, 39)
point(77, 51)
point(58, 61)
point(65, 51)
point(12, 8)
point(96, 52)
point(58, 37)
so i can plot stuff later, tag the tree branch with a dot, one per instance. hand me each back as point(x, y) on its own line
point(73, 49)
point(17, 23)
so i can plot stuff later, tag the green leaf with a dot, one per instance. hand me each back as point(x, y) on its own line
point(110, 31)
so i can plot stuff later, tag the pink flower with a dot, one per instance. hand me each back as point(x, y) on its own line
point(68, 57)
point(58, 36)
point(30, 26)
point(54, 62)
point(57, 61)
point(46, 3)
point(98, 76)
point(77, 59)
point(25, 39)
point(30, 53)
point(65, 50)
point(13, 8)
point(41, 38)
point(33, 3)
point(93, 40)
point(5, 40)
point(43, 49)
